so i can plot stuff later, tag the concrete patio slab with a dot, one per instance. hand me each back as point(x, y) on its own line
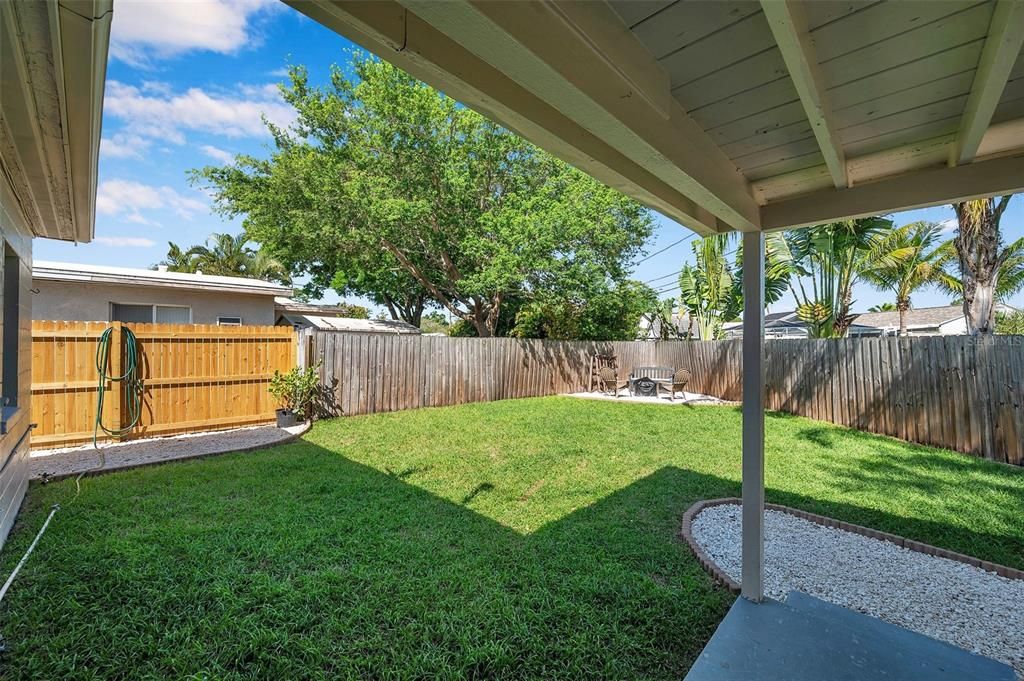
point(806, 639)
point(681, 398)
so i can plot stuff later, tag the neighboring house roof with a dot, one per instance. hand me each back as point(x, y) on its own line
point(129, 276)
point(290, 305)
point(921, 318)
point(348, 324)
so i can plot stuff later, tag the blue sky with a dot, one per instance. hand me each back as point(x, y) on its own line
point(187, 84)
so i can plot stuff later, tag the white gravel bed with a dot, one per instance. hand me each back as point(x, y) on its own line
point(71, 460)
point(954, 602)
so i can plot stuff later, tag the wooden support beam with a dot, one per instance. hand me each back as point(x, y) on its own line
point(1002, 46)
point(789, 26)
point(556, 53)
point(931, 187)
point(399, 36)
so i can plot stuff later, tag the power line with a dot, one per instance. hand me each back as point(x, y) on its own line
point(672, 274)
point(671, 245)
point(666, 288)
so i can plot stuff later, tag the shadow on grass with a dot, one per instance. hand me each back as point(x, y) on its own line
point(298, 562)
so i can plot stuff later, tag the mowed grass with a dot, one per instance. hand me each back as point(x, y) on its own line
point(522, 539)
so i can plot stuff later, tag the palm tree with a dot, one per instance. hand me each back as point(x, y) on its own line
point(1009, 278)
point(883, 307)
point(709, 289)
point(825, 262)
point(908, 259)
point(224, 254)
point(264, 266)
point(978, 245)
point(177, 260)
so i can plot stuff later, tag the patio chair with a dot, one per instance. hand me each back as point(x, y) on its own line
point(679, 380)
point(608, 381)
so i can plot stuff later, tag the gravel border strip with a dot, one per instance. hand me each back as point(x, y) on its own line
point(230, 450)
point(719, 575)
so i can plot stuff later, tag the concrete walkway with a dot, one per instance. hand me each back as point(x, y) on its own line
point(57, 463)
point(805, 639)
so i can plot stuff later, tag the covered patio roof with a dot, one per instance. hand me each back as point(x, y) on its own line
point(734, 114)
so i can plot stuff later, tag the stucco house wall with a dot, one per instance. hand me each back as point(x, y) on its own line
point(78, 301)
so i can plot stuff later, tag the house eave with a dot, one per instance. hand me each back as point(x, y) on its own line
point(53, 58)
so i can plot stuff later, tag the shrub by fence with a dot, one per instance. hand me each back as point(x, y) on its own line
point(196, 377)
point(949, 391)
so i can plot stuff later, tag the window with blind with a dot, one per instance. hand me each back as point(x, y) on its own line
point(147, 314)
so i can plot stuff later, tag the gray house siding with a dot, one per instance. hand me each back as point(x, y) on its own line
point(13, 440)
point(85, 302)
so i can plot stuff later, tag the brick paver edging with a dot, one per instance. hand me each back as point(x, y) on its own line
point(686, 532)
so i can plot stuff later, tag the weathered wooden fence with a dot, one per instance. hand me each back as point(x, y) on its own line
point(196, 377)
point(951, 391)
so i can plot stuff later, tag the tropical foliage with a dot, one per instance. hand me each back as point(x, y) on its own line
point(387, 188)
point(824, 263)
point(1010, 323)
point(907, 259)
point(883, 307)
point(226, 255)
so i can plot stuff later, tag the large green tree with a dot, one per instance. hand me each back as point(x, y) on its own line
point(384, 186)
point(607, 315)
point(908, 259)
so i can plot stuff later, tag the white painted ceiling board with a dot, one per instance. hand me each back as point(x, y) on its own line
point(1009, 111)
point(956, 30)
point(746, 37)
point(687, 22)
point(787, 165)
point(763, 67)
point(744, 105)
point(901, 78)
point(904, 136)
point(766, 122)
point(769, 139)
point(956, 85)
point(634, 11)
point(878, 22)
point(777, 154)
point(819, 13)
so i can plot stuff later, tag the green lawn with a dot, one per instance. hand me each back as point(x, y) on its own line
point(532, 538)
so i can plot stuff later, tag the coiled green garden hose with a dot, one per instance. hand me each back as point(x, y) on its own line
point(130, 379)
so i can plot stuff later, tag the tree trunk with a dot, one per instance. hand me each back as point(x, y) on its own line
point(977, 248)
point(903, 306)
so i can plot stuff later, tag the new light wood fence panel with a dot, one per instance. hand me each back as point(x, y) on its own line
point(955, 392)
point(196, 377)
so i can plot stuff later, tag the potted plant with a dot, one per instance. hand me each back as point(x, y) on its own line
point(295, 391)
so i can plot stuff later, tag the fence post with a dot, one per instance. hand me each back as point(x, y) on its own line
point(112, 401)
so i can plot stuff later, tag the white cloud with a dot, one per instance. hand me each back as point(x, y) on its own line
point(128, 199)
point(217, 153)
point(143, 29)
point(167, 115)
point(121, 145)
point(125, 241)
point(949, 225)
